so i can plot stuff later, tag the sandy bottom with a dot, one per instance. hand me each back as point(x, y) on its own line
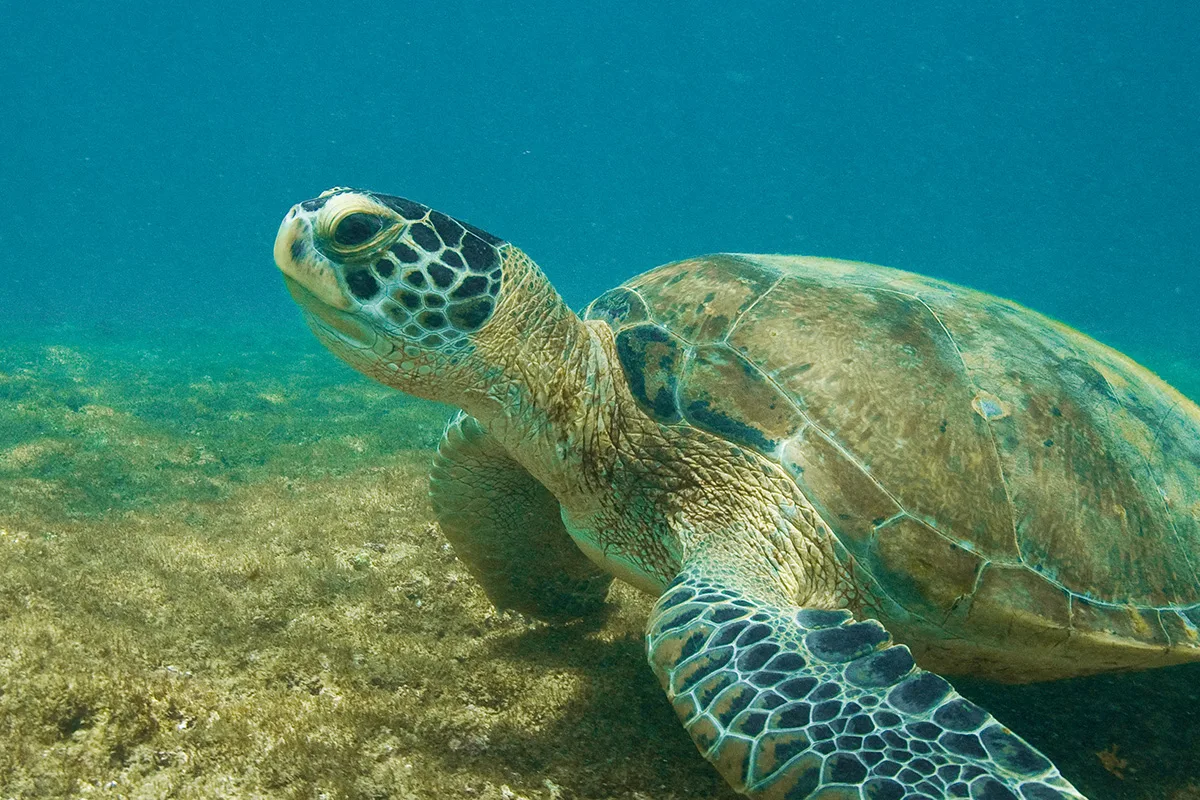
point(220, 577)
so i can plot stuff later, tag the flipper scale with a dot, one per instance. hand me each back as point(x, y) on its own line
point(795, 704)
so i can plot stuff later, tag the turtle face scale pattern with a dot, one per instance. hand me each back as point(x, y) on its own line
point(410, 272)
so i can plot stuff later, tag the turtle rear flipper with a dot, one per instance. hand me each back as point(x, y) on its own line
point(799, 703)
point(507, 528)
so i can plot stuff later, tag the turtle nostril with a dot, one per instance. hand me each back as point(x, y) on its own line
point(357, 228)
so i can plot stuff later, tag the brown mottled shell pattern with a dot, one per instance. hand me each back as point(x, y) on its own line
point(973, 457)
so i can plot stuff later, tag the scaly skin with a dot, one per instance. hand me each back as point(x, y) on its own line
point(547, 386)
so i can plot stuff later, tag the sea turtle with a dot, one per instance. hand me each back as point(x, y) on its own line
point(802, 458)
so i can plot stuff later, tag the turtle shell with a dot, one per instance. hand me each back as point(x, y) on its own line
point(979, 462)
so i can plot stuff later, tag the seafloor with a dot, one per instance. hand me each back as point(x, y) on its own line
point(220, 577)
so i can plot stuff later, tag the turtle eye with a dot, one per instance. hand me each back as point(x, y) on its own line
point(354, 229)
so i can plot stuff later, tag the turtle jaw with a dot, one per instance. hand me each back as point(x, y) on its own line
point(302, 265)
point(431, 305)
point(311, 281)
point(336, 328)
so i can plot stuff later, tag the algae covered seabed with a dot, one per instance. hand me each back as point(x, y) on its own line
point(220, 577)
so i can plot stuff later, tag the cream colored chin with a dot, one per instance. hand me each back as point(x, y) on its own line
point(346, 326)
point(315, 276)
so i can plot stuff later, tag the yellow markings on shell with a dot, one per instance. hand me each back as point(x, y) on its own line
point(1138, 622)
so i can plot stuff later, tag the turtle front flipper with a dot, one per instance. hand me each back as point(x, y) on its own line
point(799, 703)
point(507, 529)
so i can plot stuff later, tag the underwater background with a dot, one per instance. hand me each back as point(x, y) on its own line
point(219, 575)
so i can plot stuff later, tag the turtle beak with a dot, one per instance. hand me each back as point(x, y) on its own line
point(300, 262)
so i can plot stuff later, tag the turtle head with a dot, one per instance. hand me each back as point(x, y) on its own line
point(400, 291)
